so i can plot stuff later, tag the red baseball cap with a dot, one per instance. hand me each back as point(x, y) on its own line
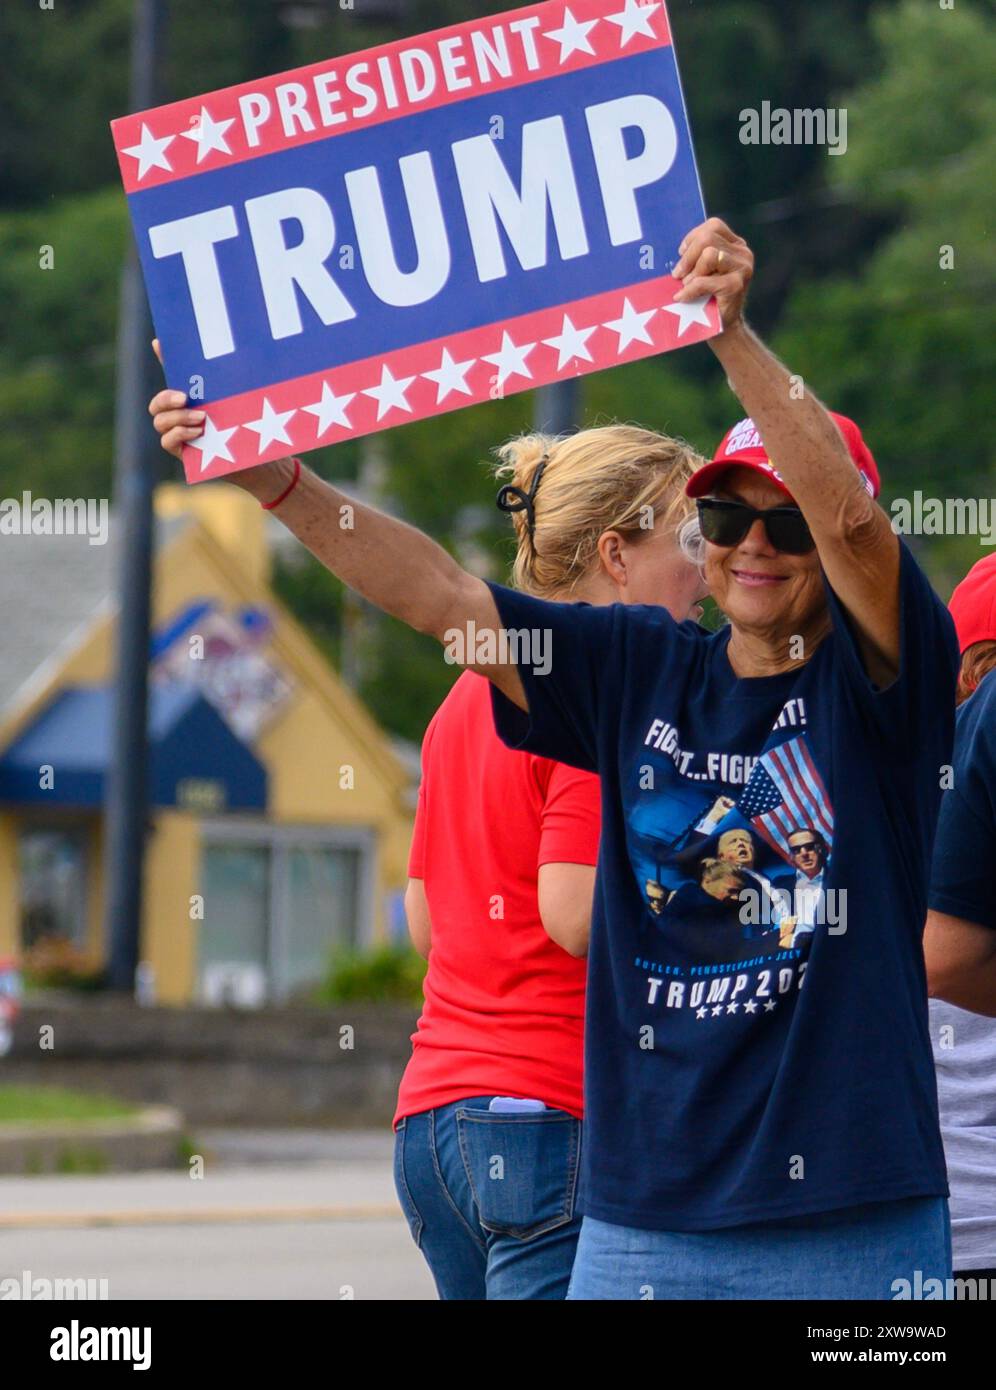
point(973, 605)
point(742, 447)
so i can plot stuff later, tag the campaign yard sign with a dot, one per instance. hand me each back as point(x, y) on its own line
point(404, 231)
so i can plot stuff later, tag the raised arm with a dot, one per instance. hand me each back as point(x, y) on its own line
point(857, 547)
point(394, 566)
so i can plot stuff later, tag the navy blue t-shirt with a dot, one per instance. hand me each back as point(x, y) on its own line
point(746, 1059)
point(962, 880)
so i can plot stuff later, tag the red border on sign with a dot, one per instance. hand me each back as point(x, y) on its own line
point(661, 330)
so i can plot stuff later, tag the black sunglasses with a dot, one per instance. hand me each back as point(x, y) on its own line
point(726, 523)
point(798, 849)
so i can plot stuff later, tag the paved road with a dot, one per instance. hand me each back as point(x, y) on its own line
point(277, 1215)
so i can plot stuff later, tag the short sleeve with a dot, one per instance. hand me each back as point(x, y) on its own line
point(923, 693)
point(961, 882)
point(563, 652)
point(571, 819)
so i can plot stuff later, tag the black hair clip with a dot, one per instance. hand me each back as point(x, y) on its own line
point(525, 501)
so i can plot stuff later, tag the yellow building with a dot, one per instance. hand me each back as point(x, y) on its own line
point(280, 812)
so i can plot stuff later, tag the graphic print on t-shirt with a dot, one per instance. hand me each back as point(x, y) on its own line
point(730, 851)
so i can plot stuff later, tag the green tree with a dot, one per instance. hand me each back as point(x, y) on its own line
point(59, 273)
point(906, 341)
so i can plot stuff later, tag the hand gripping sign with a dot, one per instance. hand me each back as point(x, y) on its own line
point(418, 227)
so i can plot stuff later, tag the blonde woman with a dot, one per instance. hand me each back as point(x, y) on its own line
point(501, 880)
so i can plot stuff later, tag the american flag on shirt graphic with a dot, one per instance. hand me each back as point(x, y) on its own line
point(785, 793)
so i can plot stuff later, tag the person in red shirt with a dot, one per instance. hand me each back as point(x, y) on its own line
point(501, 880)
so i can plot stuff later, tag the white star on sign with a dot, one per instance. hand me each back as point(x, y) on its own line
point(450, 376)
point(213, 443)
point(330, 410)
point(150, 152)
point(769, 1005)
point(700, 1013)
point(511, 360)
point(634, 19)
point(717, 1011)
point(689, 312)
point(572, 36)
point(209, 134)
point(390, 394)
point(271, 426)
point(732, 1007)
point(570, 343)
point(632, 327)
point(750, 1007)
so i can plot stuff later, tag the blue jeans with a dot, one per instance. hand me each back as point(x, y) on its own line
point(856, 1253)
point(489, 1198)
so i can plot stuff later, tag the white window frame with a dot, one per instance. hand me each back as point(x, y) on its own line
point(278, 839)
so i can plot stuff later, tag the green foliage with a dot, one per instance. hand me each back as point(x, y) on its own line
point(406, 678)
point(186, 1149)
point(40, 1104)
point(80, 1160)
point(388, 974)
point(734, 56)
point(905, 346)
point(317, 600)
point(65, 75)
point(57, 344)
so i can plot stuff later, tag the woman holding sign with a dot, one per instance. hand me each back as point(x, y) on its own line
point(502, 871)
point(761, 1118)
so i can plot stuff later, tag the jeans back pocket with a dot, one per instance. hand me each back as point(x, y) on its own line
point(522, 1168)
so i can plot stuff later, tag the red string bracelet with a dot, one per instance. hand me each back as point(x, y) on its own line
point(269, 506)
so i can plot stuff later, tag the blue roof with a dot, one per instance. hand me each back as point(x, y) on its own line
point(189, 742)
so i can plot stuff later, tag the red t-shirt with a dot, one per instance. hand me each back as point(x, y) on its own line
point(504, 1005)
